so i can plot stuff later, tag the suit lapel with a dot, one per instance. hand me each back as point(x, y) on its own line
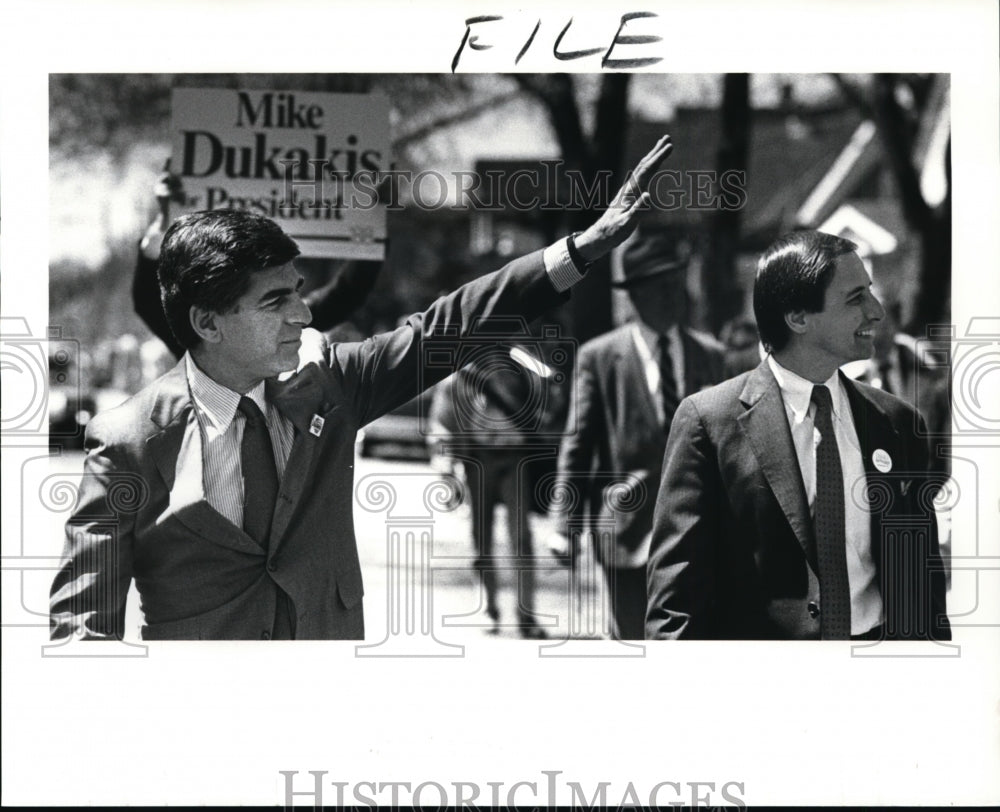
point(875, 433)
point(637, 398)
point(300, 400)
point(635, 373)
point(298, 473)
point(765, 426)
point(171, 408)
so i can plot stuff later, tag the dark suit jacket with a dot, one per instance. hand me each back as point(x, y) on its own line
point(613, 425)
point(198, 575)
point(921, 385)
point(733, 552)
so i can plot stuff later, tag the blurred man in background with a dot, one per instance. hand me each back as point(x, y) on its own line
point(480, 424)
point(628, 384)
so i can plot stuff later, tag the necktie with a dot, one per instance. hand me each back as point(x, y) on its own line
point(668, 383)
point(831, 543)
point(260, 477)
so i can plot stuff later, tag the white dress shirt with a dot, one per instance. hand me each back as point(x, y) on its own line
point(647, 344)
point(796, 392)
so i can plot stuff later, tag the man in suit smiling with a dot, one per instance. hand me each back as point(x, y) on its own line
point(795, 503)
point(228, 496)
point(628, 384)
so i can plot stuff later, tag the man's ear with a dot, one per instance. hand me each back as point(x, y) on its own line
point(205, 324)
point(797, 321)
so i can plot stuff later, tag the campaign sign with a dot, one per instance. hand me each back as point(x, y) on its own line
point(310, 161)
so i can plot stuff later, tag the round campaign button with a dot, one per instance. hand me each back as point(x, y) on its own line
point(882, 460)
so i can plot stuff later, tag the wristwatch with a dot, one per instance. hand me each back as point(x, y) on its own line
point(574, 253)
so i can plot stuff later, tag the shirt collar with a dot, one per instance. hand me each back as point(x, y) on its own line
point(215, 401)
point(797, 391)
point(652, 338)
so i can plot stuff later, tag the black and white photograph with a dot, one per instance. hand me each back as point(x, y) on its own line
point(525, 407)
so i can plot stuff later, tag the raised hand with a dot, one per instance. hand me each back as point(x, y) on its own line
point(169, 187)
point(620, 218)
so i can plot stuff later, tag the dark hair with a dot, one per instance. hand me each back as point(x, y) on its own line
point(207, 258)
point(793, 274)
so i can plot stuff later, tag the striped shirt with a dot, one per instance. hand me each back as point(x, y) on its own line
point(559, 266)
point(220, 428)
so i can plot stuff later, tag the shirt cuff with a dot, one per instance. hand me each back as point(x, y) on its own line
point(559, 266)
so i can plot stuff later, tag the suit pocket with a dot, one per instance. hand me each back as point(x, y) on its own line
point(628, 503)
point(350, 590)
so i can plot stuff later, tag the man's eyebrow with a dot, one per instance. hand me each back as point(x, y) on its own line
point(275, 293)
point(855, 290)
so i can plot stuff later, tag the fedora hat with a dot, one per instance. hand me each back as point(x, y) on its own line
point(649, 256)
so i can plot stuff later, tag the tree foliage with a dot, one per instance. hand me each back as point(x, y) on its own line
point(903, 107)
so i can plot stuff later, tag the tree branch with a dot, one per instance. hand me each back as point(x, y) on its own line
point(450, 119)
point(555, 92)
point(897, 142)
point(854, 94)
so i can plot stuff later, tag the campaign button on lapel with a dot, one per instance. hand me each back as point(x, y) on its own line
point(316, 425)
